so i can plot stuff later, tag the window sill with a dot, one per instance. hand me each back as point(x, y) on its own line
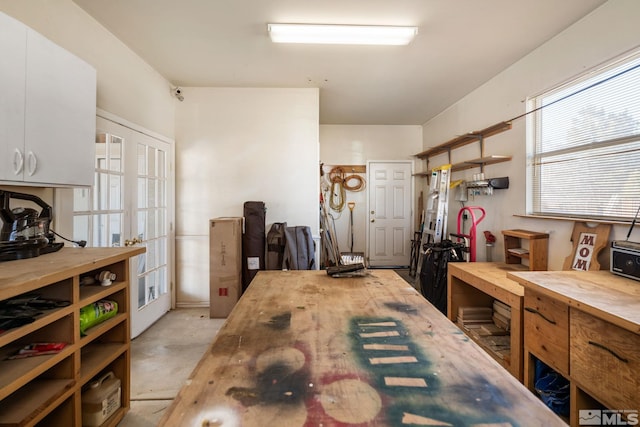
point(576, 219)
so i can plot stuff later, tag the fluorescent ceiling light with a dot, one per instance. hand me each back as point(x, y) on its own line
point(341, 34)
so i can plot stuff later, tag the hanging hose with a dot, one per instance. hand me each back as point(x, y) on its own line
point(340, 183)
point(338, 193)
point(338, 196)
point(358, 187)
point(351, 206)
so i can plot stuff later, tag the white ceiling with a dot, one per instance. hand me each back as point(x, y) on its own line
point(224, 43)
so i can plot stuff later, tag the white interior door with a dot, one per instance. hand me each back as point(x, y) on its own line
point(389, 201)
point(129, 204)
point(150, 227)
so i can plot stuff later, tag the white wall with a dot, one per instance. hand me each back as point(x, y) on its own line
point(355, 145)
point(604, 34)
point(235, 145)
point(127, 86)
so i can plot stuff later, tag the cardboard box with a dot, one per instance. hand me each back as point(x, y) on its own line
point(225, 265)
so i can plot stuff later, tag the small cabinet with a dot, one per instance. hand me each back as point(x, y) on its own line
point(47, 111)
point(535, 252)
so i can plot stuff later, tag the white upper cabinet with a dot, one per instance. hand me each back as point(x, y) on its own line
point(13, 47)
point(57, 101)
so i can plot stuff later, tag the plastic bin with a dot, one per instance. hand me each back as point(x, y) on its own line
point(100, 400)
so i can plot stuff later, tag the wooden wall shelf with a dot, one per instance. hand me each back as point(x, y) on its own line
point(348, 169)
point(483, 161)
point(462, 140)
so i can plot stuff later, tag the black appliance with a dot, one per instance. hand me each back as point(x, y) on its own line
point(25, 232)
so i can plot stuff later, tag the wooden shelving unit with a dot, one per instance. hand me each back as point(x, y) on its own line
point(479, 284)
point(47, 390)
point(536, 251)
point(466, 139)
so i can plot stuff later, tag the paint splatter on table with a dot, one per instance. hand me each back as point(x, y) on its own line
point(304, 349)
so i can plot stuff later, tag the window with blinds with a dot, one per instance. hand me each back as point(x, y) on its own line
point(585, 150)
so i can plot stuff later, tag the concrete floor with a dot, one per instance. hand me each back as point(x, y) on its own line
point(162, 359)
point(164, 355)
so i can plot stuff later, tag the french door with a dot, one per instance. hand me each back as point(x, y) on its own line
point(389, 203)
point(129, 204)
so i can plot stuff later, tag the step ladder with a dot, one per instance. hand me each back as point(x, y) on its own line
point(435, 224)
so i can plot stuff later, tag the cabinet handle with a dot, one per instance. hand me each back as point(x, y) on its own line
point(32, 163)
point(534, 311)
point(18, 161)
point(617, 356)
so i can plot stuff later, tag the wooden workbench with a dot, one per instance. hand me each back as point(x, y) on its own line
point(586, 326)
point(304, 349)
point(478, 284)
point(612, 298)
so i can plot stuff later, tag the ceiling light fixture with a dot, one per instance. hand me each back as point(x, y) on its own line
point(341, 34)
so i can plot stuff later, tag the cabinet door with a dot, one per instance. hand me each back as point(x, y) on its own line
point(60, 115)
point(13, 39)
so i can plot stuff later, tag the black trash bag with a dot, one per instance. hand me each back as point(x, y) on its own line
point(433, 274)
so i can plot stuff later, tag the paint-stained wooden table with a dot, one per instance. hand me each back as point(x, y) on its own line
point(304, 349)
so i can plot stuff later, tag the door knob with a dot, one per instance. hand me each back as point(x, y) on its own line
point(132, 241)
point(373, 220)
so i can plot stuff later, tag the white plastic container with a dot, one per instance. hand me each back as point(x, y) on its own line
point(100, 400)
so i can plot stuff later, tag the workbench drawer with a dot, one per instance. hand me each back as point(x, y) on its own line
point(605, 360)
point(546, 330)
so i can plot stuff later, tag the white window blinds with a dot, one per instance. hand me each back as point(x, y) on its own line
point(586, 152)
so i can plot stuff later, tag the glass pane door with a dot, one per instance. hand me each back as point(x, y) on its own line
point(151, 214)
point(99, 211)
point(128, 205)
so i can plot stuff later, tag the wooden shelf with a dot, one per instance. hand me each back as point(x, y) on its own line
point(41, 321)
point(32, 400)
point(101, 328)
point(92, 293)
point(483, 161)
point(474, 163)
point(462, 140)
point(18, 372)
point(347, 169)
point(502, 357)
point(479, 284)
point(96, 357)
